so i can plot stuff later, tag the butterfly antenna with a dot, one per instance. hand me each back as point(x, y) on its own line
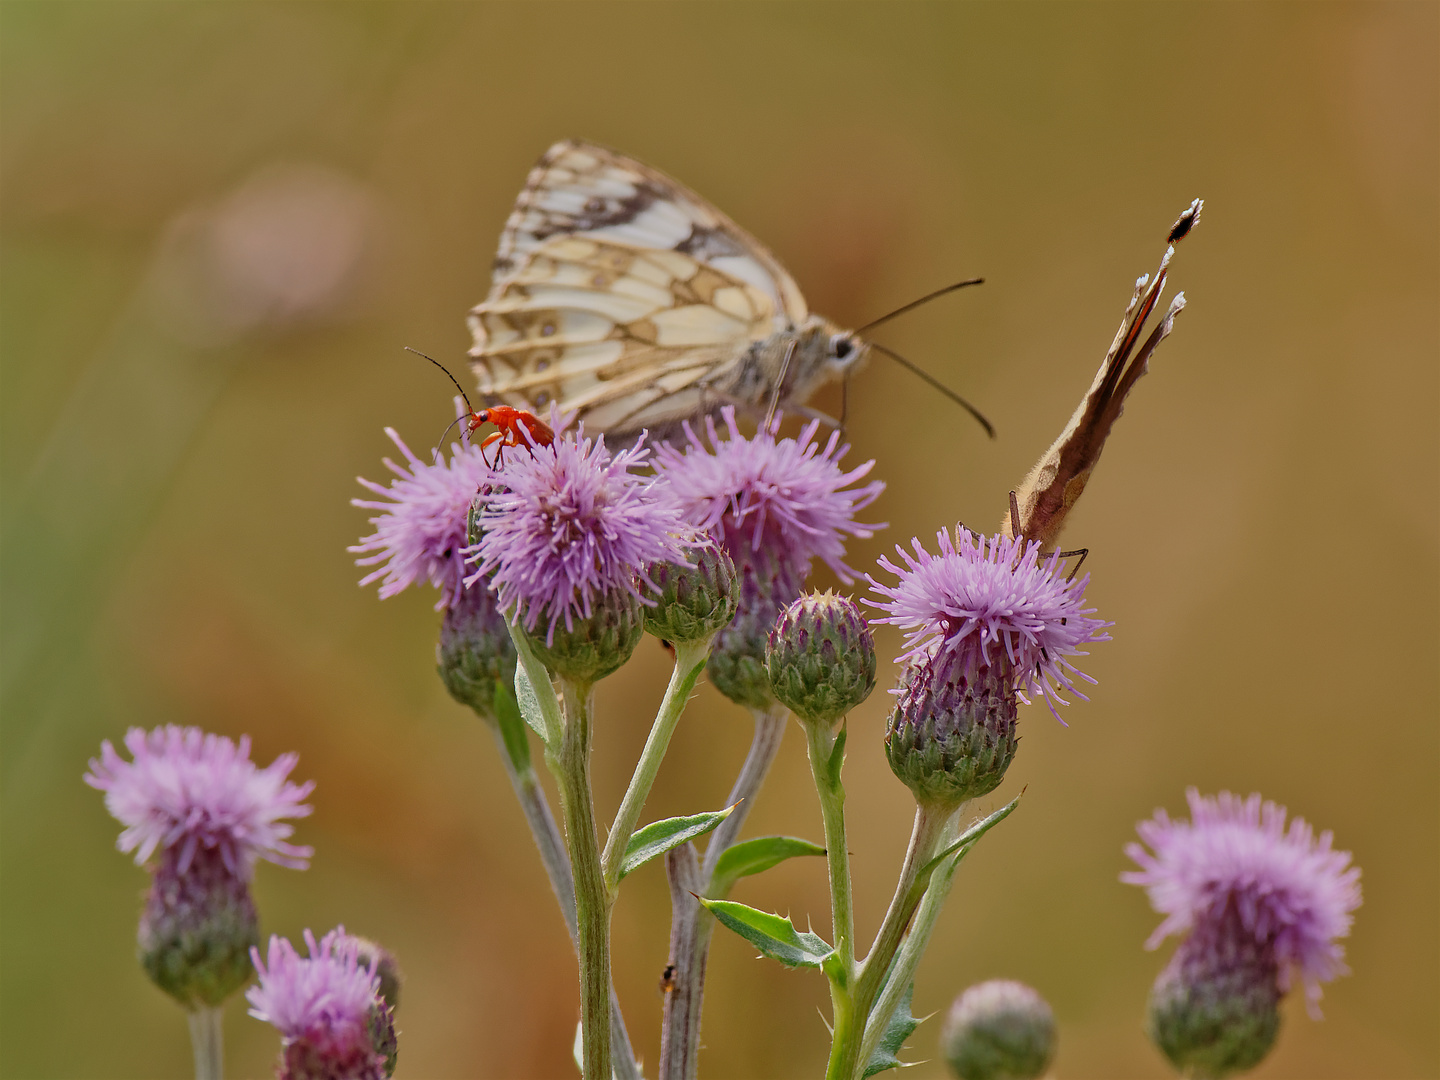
point(464, 396)
point(938, 385)
point(779, 384)
point(916, 303)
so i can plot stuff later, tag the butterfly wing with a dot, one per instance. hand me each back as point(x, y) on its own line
point(622, 294)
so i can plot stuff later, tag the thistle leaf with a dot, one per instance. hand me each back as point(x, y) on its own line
point(773, 935)
point(756, 856)
point(660, 836)
point(900, 1028)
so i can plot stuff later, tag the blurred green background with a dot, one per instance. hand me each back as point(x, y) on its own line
point(222, 222)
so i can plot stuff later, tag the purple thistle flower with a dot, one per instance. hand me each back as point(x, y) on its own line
point(421, 531)
point(327, 1007)
point(568, 524)
point(788, 497)
point(987, 601)
point(188, 791)
point(1235, 859)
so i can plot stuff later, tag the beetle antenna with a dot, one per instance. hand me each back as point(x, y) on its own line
point(442, 367)
point(916, 303)
point(938, 385)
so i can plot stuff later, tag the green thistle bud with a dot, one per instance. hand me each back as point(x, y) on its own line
point(1214, 1010)
point(821, 657)
point(593, 647)
point(197, 929)
point(951, 735)
point(693, 599)
point(475, 653)
point(386, 967)
point(999, 1030)
point(737, 658)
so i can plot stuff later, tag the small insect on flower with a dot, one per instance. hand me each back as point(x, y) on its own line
point(515, 427)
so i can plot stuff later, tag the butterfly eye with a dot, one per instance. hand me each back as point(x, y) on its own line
point(842, 346)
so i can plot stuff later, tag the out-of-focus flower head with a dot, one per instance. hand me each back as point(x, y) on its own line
point(1293, 893)
point(190, 791)
point(333, 1023)
point(789, 497)
point(990, 602)
point(420, 532)
point(567, 525)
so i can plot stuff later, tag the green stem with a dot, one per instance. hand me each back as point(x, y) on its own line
point(932, 826)
point(826, 748)
point(908, 959)
point(689, 662)
point(207, 1039)
point(551, 846)
point(690, 924)
point(570, 762)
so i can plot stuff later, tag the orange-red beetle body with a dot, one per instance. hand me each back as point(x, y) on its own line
point(509, 423)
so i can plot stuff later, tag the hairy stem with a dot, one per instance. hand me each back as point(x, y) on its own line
point(908, 959)
point(689, 662)
point(207, 1040)
point(570, 762)
point(690, 924)
point(553, 857)
point(826, 749)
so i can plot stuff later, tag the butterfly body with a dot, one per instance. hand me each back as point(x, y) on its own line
point(628, 299)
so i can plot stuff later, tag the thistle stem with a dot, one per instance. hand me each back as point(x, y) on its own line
point(689, 662)
point(570, 762)
point(915, 943)
point(690, 924)
point(207, 1040)
point(551, 846)
point(932, 826)
point(825, 748)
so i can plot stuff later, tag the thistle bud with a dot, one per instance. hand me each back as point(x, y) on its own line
point(197, 928)
point(737, 659)
point(821, 657)
point(387, 969)
point(693, 599)
point(475, 653)
point(951, 735)
point(596, 645)
point(999, 1030)
point(1214, 1010)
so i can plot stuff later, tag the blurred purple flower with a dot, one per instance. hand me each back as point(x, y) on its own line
point(1292, 892)
point(565, 525)
point(788, 498)
point(988, 601)
point(421, 530)
point(194, 792)
point(327, 1008)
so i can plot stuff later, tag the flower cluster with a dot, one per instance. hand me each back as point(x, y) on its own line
point(1291, 892)
point(420, 532)
point(567, 525)
point(189, 791)
point(333, 1022)
point(990, 602)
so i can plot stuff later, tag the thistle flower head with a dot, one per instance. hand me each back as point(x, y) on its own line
point(420, 531)
point(188, 792)
point(990, 603)
point(333, 1023)
point(569, 524)
point(1289, 890)
point(788, 497)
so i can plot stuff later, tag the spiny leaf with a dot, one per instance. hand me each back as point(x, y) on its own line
point(899, 1028)
point(660, 836)
point(773, 935)
point(755, 856)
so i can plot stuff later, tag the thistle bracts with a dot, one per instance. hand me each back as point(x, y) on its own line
point(951, 735)
point(695, 598)
point(820, 658)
